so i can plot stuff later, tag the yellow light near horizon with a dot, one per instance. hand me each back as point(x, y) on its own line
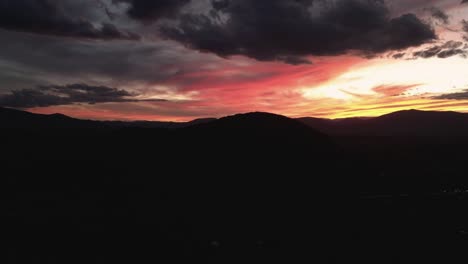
point(433, 76)
point(326, 91)
point(353, 92)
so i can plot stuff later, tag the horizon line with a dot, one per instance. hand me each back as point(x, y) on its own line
point(228, 115)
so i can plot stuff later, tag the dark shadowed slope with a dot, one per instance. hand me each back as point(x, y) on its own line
point(334, 127)
point(421, 123)
point(253, 133)
point(15, 119)
point(240, 138)
point(128, 195)
point(262, 142)
point(402, 123)
point(263, 128)
point(156, 124)
point(253, 186)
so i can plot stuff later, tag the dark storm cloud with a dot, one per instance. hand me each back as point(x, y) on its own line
point(399, 7)
point(52, 95)
point(439, 15)
point(446, 50)
point(51, 17)
point(294, 60)
point(44, 59)
point(454, 96)
point(151, 10)
point(281, 29)
point(104, 7)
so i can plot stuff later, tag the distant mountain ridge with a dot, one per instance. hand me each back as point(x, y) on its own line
point(401, 123)
point(17, 119)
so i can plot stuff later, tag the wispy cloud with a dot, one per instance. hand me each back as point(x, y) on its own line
point(463, 95)
point(53, 95)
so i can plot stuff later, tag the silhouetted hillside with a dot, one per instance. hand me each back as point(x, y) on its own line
point(156, 124)
point(419, 123)
point(257, 186)
point(16, 119)
point(261, 129)
point(242, 182)
point(345, 126)
point(402, 123)
point(260, 133)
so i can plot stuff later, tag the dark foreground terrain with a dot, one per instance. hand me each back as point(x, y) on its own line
point(247, 188)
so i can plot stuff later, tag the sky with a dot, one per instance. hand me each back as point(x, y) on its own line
point(180, 60)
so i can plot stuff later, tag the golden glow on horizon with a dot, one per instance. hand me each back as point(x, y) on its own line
point(386, 85)
point(427, 76)
point(384, 108)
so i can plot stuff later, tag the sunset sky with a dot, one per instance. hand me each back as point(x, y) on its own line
point(185, 59)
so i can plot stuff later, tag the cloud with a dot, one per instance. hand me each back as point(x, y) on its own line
point(463, 95)
point(270, 30)
point(439, 15)
point(52, 17)
point(446, 50)
point(451, 52)
point(428, 53)
point(53, 95)
point(394, 90)
point(294, 60)
point(151, 10)
point(104, 7)
point(465, 29)
point(398, 55)
point(452, 44)
point(31, 59)
point(420, 7)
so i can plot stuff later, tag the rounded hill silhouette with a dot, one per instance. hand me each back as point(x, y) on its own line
point(260, 131)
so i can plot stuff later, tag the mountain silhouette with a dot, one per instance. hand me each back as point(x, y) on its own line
point(266, 141)
point(402, 123)
point(17, 119)
point(260, 128)
point(249, 186)
point(242, 180)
